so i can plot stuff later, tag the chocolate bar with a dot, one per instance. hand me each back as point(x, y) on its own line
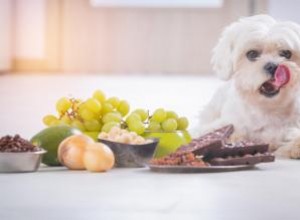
point(205, 148)
point(214, 150)
point(209, 143)
point(221, 133)
point(240, 148)
point(247, 159)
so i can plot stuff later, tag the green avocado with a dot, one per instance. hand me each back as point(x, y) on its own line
point(49, 139)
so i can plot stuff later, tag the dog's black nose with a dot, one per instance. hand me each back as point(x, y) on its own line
point(270, 68)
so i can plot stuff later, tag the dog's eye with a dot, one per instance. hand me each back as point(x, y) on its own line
point(252, 55)
point(285, 53)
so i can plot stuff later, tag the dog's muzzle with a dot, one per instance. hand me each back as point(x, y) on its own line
point(280, 77)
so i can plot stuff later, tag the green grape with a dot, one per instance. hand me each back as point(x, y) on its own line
point(154, 126)
point(99, 95)
point(57, 122)
point(172, 114)
point(66, 119)
point(78, 124)
point(159, 115)
point(114, 101)
point(132, 118)
point(169, 125)
point(111, 116)
point(142, 112)
point(86, 114)
point(63, 104)
point(123, 107)
point(93, 105)
point(117, 113)
point(92, 125)
point(137, 126)
point(183, 123)
point(61, 122)
point(49, 119)
point(106, 127)
point(107, 107)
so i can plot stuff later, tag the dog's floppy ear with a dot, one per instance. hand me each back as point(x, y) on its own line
point(222, 58)
point(293, 38)
point(223, 53)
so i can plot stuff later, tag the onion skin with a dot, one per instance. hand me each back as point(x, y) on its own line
point(71, 151)
point(98, 158)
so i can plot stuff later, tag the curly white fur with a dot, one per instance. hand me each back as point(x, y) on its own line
point(271, 119)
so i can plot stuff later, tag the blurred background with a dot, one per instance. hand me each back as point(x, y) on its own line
point(121, 36)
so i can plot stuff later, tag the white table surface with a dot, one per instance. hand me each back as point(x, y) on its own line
point(269, 192)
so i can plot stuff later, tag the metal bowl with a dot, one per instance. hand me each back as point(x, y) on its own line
point(20, 162)
point(129, 155)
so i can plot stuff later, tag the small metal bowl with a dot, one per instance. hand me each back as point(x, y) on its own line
point(131, 155)
point(20, 162)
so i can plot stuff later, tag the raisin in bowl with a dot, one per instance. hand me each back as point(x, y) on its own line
point(19, 155)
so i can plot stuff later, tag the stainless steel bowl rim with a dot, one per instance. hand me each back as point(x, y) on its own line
point(29, 152)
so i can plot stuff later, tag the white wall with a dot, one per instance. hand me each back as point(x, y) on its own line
point(142, 40)
point(285, 9)
point(30, 27)
point(5, 34)
point(158, 3)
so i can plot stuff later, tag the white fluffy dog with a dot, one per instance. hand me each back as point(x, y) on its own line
point(259, 58)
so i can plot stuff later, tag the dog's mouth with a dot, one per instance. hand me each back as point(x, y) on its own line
point(272, 87)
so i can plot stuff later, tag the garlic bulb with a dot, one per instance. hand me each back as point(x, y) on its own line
point(71, 151)
point(98, 158)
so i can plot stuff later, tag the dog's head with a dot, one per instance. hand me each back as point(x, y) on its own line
point(262, 57)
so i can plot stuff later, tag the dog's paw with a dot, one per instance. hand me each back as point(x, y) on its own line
point(295, 153)
point(294, 148)
point(288, 151)
point(282, 152)
point(292, 143)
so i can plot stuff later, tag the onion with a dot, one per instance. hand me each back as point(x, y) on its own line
point(98, 158)
point(71, 151)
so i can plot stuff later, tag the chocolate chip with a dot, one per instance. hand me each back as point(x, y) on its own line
point(16, 144)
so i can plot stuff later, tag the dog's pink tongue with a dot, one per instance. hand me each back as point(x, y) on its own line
point(282, 76)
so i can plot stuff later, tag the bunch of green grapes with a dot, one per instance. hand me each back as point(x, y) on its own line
point(99, 113)
point(141, 121)
point(95, 114)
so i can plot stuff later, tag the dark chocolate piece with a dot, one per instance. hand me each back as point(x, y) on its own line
point(221, 133)
point(204, 147)
point(247, 159)
point(241, 148)
point(209, 143)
